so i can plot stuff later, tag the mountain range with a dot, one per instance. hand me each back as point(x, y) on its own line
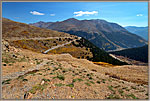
point(103, 34)
point(140, 31)
point(72, 68)
point(37, 39)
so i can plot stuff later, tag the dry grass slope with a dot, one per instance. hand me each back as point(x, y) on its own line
point(12, 29)
point(65, 77)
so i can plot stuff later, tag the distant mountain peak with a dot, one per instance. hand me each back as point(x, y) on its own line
point(105, 35)
point(136, 27)
point(41, 22)
point(141, 31)
point(99, 20)
point(71, 20)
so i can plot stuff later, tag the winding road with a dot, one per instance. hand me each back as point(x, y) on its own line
point(115, 57)
point(58, 46)
point(37, 67)
point(16, 39)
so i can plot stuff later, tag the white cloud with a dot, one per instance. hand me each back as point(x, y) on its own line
point(139, 15)
point(36, 13)
point(87, 13)
point(52, 14)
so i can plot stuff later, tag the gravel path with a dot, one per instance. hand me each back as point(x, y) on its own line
point(115, 57)
point(58, 46)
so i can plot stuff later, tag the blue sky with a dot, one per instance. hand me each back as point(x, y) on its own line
point(123, 13)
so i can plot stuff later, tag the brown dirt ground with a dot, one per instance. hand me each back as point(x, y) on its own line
point(65, 77)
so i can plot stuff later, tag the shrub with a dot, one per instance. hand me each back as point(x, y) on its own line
point(48, 69)
point(10, 64)
point(74, 80)
point(103, 80)
point(70, 85)
point(25, 80)
point(132, 96)
point(92, 82)
point(133, 87)
point(6, 81)
point(111, 88)
point(37, 87)
point(98, 82)
point(51, 73)
point(80, 80)
point(46, 80)
point(39, 73)
point(90, 78)
point(113, 97)
point(88, 84)
point(120, 91)
point(60, 77)
point(59, 85)
point(64, 71)
point(4, 64)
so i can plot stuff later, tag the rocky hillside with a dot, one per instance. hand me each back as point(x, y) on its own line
point(31, 75)
point(103, 34)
